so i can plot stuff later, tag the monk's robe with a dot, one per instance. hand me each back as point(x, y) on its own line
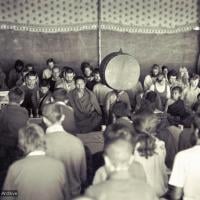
point(87, 112)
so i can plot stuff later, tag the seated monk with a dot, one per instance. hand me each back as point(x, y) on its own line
point(87, 112)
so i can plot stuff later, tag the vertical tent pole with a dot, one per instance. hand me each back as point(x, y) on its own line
point(99, 31)
point(198, 56)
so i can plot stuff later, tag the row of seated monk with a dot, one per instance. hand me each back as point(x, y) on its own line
point(92, 100)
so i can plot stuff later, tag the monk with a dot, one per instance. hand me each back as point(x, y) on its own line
point(87, 112)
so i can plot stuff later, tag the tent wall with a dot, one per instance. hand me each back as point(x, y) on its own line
point(74, 47)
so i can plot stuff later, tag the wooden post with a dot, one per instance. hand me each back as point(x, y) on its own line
point(99, 31)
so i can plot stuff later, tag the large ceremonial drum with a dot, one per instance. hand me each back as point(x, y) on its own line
point(120, 71)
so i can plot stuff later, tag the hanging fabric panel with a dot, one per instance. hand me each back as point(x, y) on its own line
point(141, 16)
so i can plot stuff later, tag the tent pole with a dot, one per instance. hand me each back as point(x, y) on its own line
point(99, 31)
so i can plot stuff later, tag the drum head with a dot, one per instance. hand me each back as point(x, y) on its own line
point(122, 72)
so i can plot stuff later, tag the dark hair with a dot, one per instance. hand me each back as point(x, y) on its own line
point(59, 94)
point(56, 67)
point(16, 95)
point(53, 112)
point(29, 65)
point(116, 132)
point(142, 122)
point(159, 75)
point(177, 88)
point(85, 65)
point(50, 60)
point(147, 145)
point(44, 83)
point(120, 109)
point(151, 96)
point(19, 63)
point(194, 76)
point(96, 71)
point(78, 78)
point(31, 73)
point(155, 66)
point(66, 70)
point(196, 132)
point(164, 67)
point(196, 123)
point(172, 72)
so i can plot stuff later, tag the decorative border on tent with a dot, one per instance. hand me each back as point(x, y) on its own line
point(148, 30)
point(93, 26)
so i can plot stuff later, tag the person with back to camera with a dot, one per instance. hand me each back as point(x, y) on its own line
point(150, 151)
point(59, 96)
point(185, 177)
point(124, 176)
point(121, 114)
point(65, 147)
point(111, 98)
point(12, 118)
point(36, 176)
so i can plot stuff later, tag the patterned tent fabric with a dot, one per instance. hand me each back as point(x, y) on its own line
point(143, 16)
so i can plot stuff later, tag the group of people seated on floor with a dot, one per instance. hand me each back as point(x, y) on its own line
point(151, 141)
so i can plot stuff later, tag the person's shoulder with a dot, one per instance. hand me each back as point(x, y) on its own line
point(54, 162)
point(23, 87)
point(71, 139)
point(17, 165)
point(184, 154)
point(147, 77)
point(96, 190)
point(136, 166)
point(72, 92)
point(46, 69)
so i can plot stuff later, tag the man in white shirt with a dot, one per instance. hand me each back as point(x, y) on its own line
point(151, 78)
point(185, 176)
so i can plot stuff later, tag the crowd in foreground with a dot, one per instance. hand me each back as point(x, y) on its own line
point(151, 141)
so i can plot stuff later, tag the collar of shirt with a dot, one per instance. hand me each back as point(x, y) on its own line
point(61, 103)
point(55, 128)
point(37, 153)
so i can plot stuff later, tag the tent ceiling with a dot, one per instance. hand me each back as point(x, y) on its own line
point(158, 16)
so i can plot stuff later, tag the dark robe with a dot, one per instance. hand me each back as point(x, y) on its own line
point(87, 112)
point(178, 114)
